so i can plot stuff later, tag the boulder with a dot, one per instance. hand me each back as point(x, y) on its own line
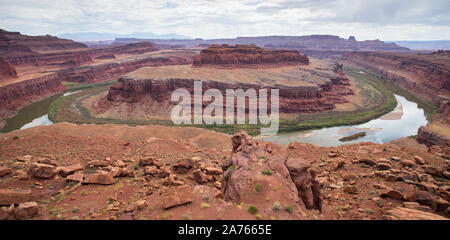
point(148, 161)
point(102, 178)
point(76, 177)
point(200, 177)
point(175, 196)
point(182, 166)
point(21, 174)
point(151, 170)
point(141, 204)
point(400, 213)
point(42, 170)
point(27, 210)
point(14, 196)
point(419, 160)
point(407, 163)
point(214, 171)
point(5, 171)
point(68, 170)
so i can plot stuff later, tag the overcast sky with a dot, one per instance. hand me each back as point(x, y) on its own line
point(366, 19)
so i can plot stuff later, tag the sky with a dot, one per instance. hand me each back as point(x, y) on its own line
point(388, 20)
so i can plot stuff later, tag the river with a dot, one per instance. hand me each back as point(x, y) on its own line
point(32, 115)
point(404, 121)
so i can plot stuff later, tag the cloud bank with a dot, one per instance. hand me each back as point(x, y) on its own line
point(369, 19)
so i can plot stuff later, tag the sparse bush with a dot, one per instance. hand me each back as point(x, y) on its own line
point(276, 206)
point(288, 208)
point(257, 187)
point(267, 172)
point(204, 205)
point(186, 216)
point(75, 209)
point(16, 137)
point(252, 209)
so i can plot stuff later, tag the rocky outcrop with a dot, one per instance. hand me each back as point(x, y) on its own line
point(430, 138)
point(245, 55)
point(6, 70)
point(252, 162)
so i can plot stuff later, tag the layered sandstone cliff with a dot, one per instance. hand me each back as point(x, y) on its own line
point(11, 42)
point(18, 94)
point(110, 51)
point(426, 75)
point(295, 95)
point(243, 55)
point(6, 70)
point(113, 70)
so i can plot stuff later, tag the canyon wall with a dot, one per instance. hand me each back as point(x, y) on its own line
point(241, 55)
point(6, 70)
point(11, 42)
point(425, 75)
point(111, 71)
point(133, 48)
point(18, 94)
point(292, 99)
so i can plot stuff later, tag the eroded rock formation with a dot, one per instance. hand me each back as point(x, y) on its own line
point(292, 99)
point(6, 70)
point(243, 55)
point(252, 162)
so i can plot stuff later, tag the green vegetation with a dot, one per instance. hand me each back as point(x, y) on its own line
point(16, 137)
point(77, 86)
point(252, 209)
point(257, 187)
point(276, 206)
point(375, 91)
point(353, 137)
point(288, 208)
point(267, 172)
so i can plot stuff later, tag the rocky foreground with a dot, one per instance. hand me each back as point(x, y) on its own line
point(65, 171)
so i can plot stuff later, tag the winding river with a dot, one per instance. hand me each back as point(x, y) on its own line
point(401, 122)
point(32, 115)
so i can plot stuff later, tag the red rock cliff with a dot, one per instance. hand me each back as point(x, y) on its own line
point(241, 55)
point(292, 99)
point(426, 75)
point(6, 70)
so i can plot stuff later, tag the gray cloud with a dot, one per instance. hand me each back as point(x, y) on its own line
point(369, 19)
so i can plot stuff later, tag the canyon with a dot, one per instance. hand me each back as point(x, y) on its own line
point(34, 67)
point(426, 75)
point(302, 87)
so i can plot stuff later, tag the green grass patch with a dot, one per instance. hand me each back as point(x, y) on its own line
point(353, 137)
